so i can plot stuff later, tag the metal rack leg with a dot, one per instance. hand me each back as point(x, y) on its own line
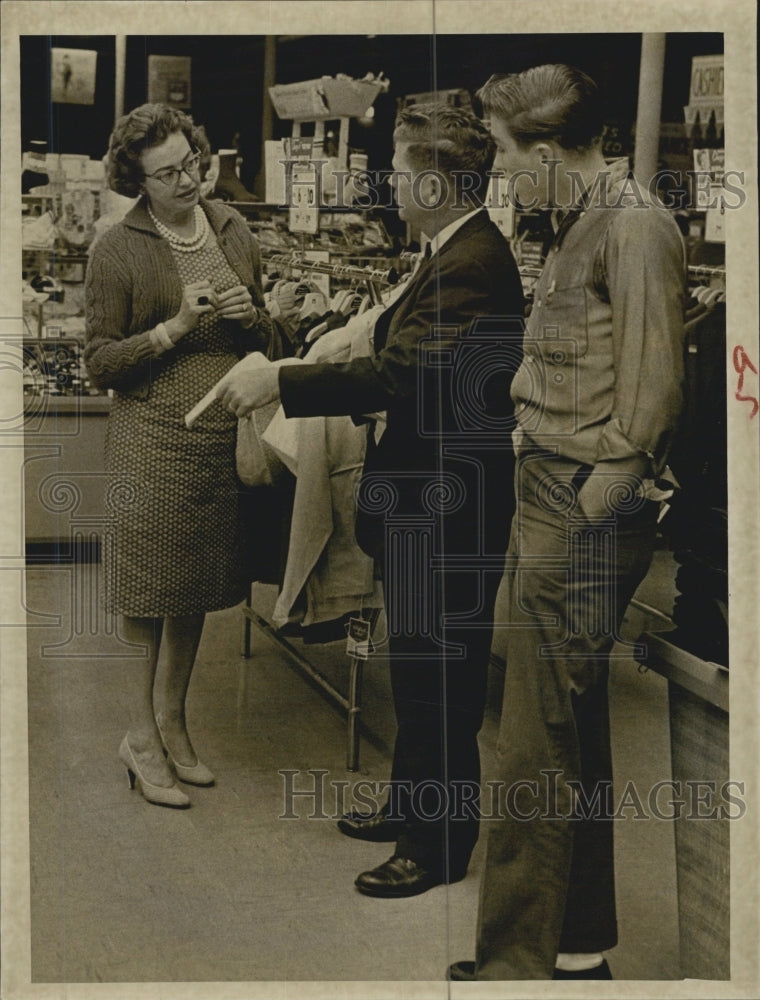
point(246, 641)
point(354, 711)
point(351, 704)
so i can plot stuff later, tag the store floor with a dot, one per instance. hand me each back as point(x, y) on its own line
point(123, 891)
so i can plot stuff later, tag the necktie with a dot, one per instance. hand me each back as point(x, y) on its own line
point(426, 254)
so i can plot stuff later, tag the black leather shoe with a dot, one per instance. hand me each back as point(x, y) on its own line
point(465, 972)
point(598, 972)
point(374, 827)
point(399, 877)
point(462, 972)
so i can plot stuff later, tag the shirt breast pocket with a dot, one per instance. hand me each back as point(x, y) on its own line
point(558, 323)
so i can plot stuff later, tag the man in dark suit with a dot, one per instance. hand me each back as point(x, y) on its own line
point(436, 498)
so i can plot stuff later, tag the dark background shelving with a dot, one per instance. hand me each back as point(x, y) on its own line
point(227, 79)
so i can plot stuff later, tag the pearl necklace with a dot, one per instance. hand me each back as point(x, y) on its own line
point(185, 243)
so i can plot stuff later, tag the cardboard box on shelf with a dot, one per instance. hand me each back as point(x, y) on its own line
point(327, 97)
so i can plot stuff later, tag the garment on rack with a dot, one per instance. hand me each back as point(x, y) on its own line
point(311, 327)
point(326, 575)
point(257, 464)
point(331, 321)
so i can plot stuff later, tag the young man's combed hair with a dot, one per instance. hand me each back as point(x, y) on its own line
point(547, 102)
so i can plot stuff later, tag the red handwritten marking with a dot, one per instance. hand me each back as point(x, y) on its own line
point(741, 364)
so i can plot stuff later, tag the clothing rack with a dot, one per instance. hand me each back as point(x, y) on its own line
point(526, 270)
point(346, 272)
point(350, 702)
point(704, 296)
point(706, 271)
point(529, 271)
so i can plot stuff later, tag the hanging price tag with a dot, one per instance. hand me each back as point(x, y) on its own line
point(358, 643)
point(715, 219)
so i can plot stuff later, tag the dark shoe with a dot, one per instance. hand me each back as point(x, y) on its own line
point(598, 972)
point(462, 972)
point(465, 972)
point(399, 877)
point(373, 827)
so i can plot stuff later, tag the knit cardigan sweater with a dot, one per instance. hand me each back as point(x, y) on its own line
point(132, 284)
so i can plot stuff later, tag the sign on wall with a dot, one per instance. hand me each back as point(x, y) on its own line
point(705, 93)
point(169, 80)
point(72, 76)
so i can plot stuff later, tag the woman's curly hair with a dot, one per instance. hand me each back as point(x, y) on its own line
point(141, 129)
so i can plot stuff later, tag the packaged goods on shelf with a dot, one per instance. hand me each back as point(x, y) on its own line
point(326, 97)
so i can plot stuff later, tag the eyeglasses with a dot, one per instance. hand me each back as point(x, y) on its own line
point(170, 175)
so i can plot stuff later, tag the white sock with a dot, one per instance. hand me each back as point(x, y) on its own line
point(578, 962)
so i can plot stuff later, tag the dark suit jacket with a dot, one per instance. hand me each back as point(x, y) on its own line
point(446, 351)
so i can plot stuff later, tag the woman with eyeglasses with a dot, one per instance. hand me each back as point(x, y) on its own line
point(173, 301)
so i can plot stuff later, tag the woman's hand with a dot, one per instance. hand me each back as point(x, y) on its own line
point(197, 298)
point(236, 303)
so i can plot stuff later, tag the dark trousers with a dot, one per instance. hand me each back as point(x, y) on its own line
point(548, 883)
point(441, 579)
point(439, 703)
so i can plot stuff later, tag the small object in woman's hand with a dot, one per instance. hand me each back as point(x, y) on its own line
point(203, 300)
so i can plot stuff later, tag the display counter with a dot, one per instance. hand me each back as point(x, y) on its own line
point(51, 407)
point(698, 704)
point(63, 475)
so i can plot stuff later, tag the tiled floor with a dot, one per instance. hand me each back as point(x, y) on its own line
point(123, 891)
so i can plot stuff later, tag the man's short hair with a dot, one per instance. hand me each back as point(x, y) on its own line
point(553, 101)
point(451, 140)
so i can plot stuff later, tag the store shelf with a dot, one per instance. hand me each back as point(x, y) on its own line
point(708, 681)
point(57, 255)
point(250, 207)
point(52, 406)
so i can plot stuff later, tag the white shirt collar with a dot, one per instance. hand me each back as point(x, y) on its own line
point(448, 231)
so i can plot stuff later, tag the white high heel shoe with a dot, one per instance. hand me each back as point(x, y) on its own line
point(198, 774)
point(158, 795)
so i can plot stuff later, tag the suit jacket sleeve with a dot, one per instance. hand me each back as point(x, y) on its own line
point(450, 294)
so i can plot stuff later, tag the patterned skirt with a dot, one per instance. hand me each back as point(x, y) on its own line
point(175, 541)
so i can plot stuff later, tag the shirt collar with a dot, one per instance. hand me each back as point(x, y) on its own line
point(562, 220)
point(617, 171)
point(447, 232)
